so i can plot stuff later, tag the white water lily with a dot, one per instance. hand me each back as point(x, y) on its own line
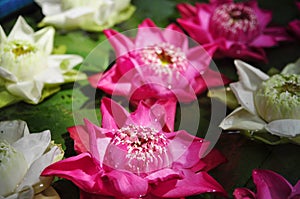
point(23, 156)
point(88, 15)
point(269, 104)
point(28, 71)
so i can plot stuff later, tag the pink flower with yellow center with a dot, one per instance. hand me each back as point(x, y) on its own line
point(130, 156)
point(157, 64)
point(237, 30)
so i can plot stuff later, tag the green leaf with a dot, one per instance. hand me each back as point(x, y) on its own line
point(7, 99)
point(158, 11)
point(76, 42)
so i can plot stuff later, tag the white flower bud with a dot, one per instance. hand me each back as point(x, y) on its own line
point(279, 98)
point(13, 167)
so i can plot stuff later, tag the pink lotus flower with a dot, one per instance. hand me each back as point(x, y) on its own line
point(157, 64)
point(131, 157)
point(269, 185)
point(294, 26)
point(238, 30)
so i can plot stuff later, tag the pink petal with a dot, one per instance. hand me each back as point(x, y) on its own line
point(210, 161)
point(264, 16)
point(114, 116)
point(86, 195)
point(204, 14)
point(143, 116)
point(99, 139)
point(278, 33)
point(110, 79)
point(164, 109)
point(147, 29)
point(199, 60)
point(245, 53)
point(294, 27)
point(174, 35)
point(296, 191)
point(195, 31)
point(186, 10)
point(81, 138)
point(127, 185)
point(213, 78)
point(147, 23)
point(88, 176)
point(125, 66)
point(191, 184)
point(164, 175)
point(264, 41)
point(94, 79)
point(82, 170)
point(243, 193)
point(184, 94)
point(168, 115)
point(220, 1)
point(186, 149)
point(271, 185)
point(120, 43)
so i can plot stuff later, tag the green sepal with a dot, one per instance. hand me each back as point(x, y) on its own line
point(224, 95)
point(268, 138)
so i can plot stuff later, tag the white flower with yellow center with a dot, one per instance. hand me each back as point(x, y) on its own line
point(269, 104)
point(23, 156)
point(91, 15)
point(27, 66)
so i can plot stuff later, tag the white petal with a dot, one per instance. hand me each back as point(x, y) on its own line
point(244, 96)
point(69, 19)
point(241, 119)
point(44, 39)
point(33, 145)
point(7, 75)
point(33, 174)
point(51, 76)
point(50, 7)
point(29, 91)
point(249, 76)
point(58, 20)
point(2, 36)
point(13, 130)
point(21, 31)
point(103, 11)
point(284, 127)
point(292, 68)
point(78, 12)
point(56, 60)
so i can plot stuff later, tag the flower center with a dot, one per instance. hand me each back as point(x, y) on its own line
point(144, 145)
point(279, 98)
point(235, 22)
point(23, 59)
point(18, 48)
point(164, 59)
point(5, 152)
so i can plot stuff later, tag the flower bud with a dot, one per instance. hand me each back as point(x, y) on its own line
point(279, 98)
